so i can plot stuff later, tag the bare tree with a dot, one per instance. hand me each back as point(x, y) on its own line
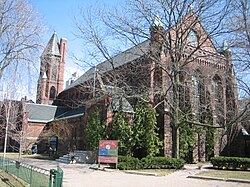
point(20, 28)
point(239, 24)
point(11, 125)
point(165, 56)
point(239, 39)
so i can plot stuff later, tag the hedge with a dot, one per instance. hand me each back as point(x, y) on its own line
point(131, 163)
point(230, 163)
point(128, 163)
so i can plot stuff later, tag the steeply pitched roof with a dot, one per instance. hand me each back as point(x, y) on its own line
point(118, 60)
point(39, 113)
point(135, 53)
point(52, 47)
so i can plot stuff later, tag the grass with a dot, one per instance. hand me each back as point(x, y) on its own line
point(227, 174)
point(7, 180)
point(23, 173)
point(158, 172)
point(16, 155)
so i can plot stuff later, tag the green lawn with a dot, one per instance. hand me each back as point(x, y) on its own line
point(16, 155)
point(158, 172)
point(32, 176)
point(7, 180)
point(227, 174)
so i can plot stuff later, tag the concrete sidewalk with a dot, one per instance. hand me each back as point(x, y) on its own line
point(80, 175)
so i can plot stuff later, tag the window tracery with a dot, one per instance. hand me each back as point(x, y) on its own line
point(193, 38)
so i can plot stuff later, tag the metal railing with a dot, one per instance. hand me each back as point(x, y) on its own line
point(56, 177)
point(35, 176)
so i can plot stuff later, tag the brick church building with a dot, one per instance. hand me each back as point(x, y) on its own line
point(208, 84)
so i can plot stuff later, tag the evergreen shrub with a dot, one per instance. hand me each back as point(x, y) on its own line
point(128, 163)
point(222, 162)
point(131, 163)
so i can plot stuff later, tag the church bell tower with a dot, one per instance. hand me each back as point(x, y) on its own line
point(51, 78)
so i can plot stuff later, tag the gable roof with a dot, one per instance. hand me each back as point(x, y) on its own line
point(120, 103)
point(139, 50)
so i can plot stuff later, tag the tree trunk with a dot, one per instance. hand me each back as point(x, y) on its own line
point(176, 145)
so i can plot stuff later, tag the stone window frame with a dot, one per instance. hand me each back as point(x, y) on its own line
point(193, 38)
point(197, 81)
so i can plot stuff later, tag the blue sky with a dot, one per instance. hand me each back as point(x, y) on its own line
point(59, 15)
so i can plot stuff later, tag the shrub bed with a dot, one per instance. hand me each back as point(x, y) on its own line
point(230, 163)
point(128, 163)
point(131, 163)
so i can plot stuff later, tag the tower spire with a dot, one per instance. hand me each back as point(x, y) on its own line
point(51, 79)
point(52, 47)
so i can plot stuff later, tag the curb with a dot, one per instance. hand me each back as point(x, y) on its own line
point(238, 180)
point(103, 169)
point(219, 179)
point(141, 173)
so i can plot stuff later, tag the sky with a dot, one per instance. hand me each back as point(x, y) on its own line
point(58, 16)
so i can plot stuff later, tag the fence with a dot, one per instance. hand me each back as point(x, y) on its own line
point(36, 177)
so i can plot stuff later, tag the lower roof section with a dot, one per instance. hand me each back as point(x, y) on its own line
point(40, 113)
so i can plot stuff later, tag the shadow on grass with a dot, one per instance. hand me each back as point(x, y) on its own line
point(8, 180)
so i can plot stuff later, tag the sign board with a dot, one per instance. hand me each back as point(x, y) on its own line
point(108, 151)
point(107, 159)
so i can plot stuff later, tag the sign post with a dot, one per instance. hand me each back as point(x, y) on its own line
point(108, 152)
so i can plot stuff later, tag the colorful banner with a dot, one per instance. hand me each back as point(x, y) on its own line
point(108, 151)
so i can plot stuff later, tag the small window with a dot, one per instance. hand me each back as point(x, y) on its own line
point(192, 38)
point(52, 94)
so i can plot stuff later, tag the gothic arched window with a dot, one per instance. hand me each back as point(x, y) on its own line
point(195, 89)
point(218, 90)
point(196, 93)
point(52, 93)
point(193, 38)
point(218, 99)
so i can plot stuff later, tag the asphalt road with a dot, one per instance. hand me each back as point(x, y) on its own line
point(80, 175)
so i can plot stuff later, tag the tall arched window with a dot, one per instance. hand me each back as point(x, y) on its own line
point(218, 99)
point(52, 93)
point(218, 90)
point(193, 38)
point(197, 88)
point(196, 94)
